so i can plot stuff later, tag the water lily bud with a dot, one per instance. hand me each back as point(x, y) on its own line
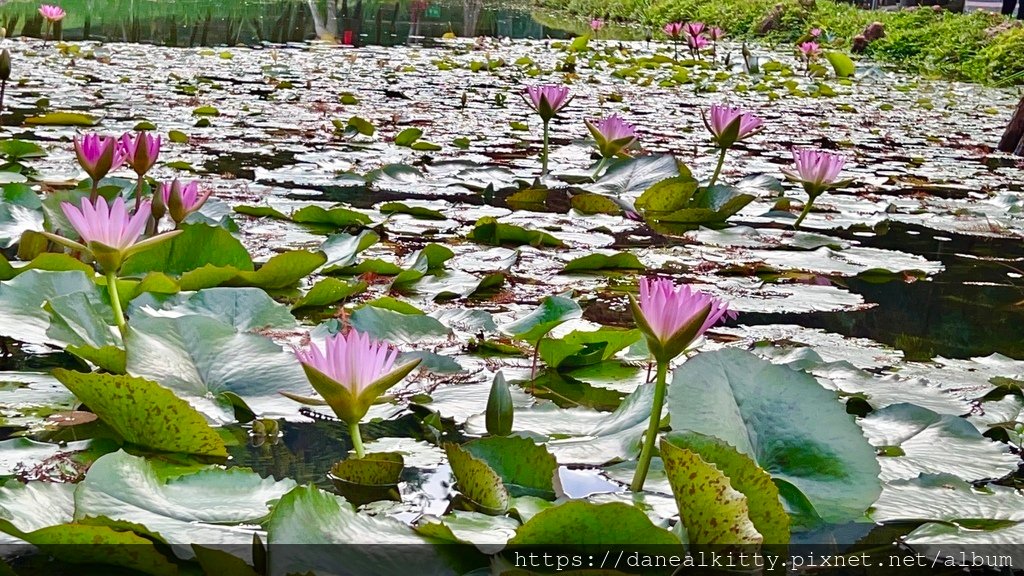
point(5, 65)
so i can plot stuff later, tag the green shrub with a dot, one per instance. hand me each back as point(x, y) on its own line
point(977, 47)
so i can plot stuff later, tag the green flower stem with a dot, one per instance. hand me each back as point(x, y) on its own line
point(357, 439)
point(115, 302)
point(138, 192)
point(536, 355)
point(644, 464)
point(804, 213)
point(544, 151)
point(95, 192)
point(600, 166)
point(718, 169)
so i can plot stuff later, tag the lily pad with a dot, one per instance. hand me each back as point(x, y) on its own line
point(144, 413)
point(214, 506)
point(913, 440)
point(526, 468)
point(783, 419)
point(481, 486)
point(200, 358)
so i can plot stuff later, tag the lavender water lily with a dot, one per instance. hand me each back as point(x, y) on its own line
point(671, 317)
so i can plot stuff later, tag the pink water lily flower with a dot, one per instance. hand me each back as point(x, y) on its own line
point(729, 125)
point(548, 100)
point(694, 28)
point(141, 151)
point(673, 316)
point(612, 134)
point(697, 43)
point(818, 172)
point(110, 232)
point(673, 29)
point(353, 360)
point(98, 155)
point(180, 200)
point(350, 373)
point(52, 13)
point(596, 24)
point(815, 32)
point(815, 168)
point(112, 226)
point(810, 49)
point(716, 33)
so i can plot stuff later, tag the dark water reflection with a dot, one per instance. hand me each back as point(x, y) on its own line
point(216, 22)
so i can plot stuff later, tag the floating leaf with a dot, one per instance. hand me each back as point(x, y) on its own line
point(408, 136)
point(795, 429)
point(477, 481)
point(307, 515)
point(552, 312)
point(489, 231)
point(593, 525)
point(711, 510)
point(526, 468)
point(842, 64)
point(617, 261)
point(144, 413)
point(62, 119)
point(764, 509)
point(328, 291)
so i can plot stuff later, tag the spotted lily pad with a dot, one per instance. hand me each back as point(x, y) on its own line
point(481, 487)
point(144, 413)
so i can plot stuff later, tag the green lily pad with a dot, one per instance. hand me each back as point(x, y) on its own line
point(247, 309)
point(478, 483)
point(394, 326)
point(595, 525)
point(764, 508)
point(144, 413)
point(62, 119)
point(783, 419)
point(493, 233)
point(526, 468)
point(336, 217)
point(21, 149)
point(913, 440)
point(215, 506)
point(408, 136)
point(373, 469)
point(552, 312)
point(309, 516)
point(420, 212)
point(22, 299)
point(201, 358)
point(595, 262)
point(328, 291)
point(710, 508)
point(578, 348)
point(198, 245)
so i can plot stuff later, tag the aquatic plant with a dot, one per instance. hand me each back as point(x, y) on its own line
point(179, 200)
point(728, 126)
point(674, 30)
point(613, 136)
point(351, 372)
point(140, 153)
point(98, 155)
point(818, 172)
point(111, 234)
point(547, 101)
point(671, 317)
point(51, 14)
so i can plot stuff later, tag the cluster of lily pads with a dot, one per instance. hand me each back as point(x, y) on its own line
point(816, 170)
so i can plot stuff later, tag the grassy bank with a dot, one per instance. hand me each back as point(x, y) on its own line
point(977, 47)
